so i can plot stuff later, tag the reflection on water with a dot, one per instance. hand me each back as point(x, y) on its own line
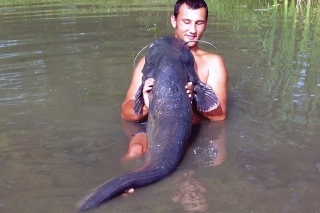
point(190, 194)
point(65, 68)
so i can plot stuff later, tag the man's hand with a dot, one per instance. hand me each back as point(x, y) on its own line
point(189, 90)
point(148, 84)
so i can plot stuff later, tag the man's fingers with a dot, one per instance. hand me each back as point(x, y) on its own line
point(189, 86)
point(149, 81)
point(148, 84)
point(189, 90)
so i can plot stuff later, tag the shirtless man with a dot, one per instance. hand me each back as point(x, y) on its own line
point(189, 22)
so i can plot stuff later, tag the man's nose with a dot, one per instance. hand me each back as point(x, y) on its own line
point(192, 28)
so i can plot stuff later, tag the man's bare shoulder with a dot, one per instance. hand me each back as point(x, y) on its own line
point(209, 57)
point(210, 61)
point(138, 67)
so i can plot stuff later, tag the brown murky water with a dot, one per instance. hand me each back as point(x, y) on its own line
point(65, 68)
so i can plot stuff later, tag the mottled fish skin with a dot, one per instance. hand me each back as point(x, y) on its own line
point(170, 62)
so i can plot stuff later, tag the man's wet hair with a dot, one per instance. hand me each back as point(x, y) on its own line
point(192, 4)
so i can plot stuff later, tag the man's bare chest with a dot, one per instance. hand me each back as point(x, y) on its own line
point(202, 71)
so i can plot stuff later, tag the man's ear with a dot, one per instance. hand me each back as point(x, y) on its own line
point(173, 21)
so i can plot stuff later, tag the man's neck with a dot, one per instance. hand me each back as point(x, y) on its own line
point(194, 49)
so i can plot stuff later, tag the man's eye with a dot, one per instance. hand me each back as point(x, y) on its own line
point(186, 22)
point(200, 23)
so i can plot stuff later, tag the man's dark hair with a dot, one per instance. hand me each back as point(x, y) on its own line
point(192, 4)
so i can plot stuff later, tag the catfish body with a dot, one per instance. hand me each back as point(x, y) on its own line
point(170, 62)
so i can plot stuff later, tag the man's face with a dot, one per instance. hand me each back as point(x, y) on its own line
point(189, 24)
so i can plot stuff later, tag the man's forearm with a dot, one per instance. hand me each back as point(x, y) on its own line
point(127, 112)
point(214, 115)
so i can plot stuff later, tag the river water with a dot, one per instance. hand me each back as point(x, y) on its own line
point(65, 67)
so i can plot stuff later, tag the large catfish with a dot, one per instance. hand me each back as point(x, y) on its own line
point(170, 62)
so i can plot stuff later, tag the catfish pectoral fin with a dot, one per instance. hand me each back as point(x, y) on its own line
point(204, 98)
point(139, 101)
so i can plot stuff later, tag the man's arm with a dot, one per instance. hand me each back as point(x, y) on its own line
point(217, 79)
point(127, 112)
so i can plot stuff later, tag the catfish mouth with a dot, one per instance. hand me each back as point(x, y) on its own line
point(152, 43)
